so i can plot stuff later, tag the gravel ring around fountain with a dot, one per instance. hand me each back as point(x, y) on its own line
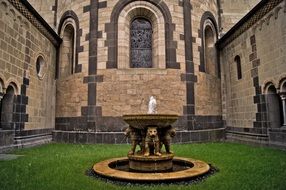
point(103, 169)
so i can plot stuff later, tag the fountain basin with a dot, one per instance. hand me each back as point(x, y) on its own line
point(142, 121)
point(183, 169)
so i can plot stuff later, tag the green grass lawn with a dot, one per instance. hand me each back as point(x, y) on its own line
point(63, 166)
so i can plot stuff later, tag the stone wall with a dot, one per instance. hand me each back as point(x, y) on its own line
point(207, 88)
point(262, 51)
point(27, 64)
point(94, 98)
point(71, 93)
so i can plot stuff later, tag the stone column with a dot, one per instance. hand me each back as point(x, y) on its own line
point(283, 98)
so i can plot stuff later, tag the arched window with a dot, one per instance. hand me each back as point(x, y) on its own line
point(208, 53)
point(67, 51)
point(283, 101)
point(238, 66)
point(141, 43)
point(1, 96)
point(273, 106)
point(7, 108)
point(40, 64)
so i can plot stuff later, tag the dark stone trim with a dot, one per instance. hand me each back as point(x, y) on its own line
point(260, 131)
point(205, 16)
point(203, 122)
point(85, 137)
point(6, 138)
point(93, 79)
point(277, 136)
point(247, 138)
point(91, 112)
point(189, 77)
point(116, 124)
point(251, 18)
point(259, 98)
point(219, 13)
point(55, 8)
point(26, 9)
point(111, 30)
point(99, 34)
point(180, 3)
point(34, 132)
point(20, 115)
point(78, 48)
point(86, 8)
point(102, 4)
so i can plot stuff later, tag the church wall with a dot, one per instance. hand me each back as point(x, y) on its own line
point(245, 101)
point(71, 91)
point(207, 88)
point(90, 103)
point(127, 90)
point(239, 109)
point(34, 87)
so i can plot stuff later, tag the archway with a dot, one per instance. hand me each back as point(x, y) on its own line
point(7, 105)
point(273, 106)
point(283, 101)
point(210, 52)
point(67, 52)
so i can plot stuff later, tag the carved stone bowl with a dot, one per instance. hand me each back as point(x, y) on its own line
point(142, 121)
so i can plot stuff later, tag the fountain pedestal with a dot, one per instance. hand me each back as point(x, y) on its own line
point(150, 132)
point(139, 163)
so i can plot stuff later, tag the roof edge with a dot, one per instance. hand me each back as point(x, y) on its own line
point(255, 14)
point(27, 10)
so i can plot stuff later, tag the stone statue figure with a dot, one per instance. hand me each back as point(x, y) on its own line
point(152, 143)
point(135, 136)
point(152, 106)
point(165, 137)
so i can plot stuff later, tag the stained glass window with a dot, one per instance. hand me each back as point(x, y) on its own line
point(141, 43)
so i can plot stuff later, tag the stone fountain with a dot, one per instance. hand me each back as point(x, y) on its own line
point(146, 161)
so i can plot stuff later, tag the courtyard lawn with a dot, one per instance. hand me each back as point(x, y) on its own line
point(63, 166)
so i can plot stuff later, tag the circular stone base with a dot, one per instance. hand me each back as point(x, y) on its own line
point(139, 162)
point(108, 169)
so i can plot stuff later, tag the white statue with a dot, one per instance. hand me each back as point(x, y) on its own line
point(152, 106)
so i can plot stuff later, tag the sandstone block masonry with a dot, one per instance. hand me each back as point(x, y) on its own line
point(217, 77)
point(27, 73)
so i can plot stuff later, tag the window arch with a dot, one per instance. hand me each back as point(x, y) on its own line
point(209, 46)
point(273, 106)
point(68, 30)
point(1, 87)
point(283, 100)
point(237, 61)
point(282, 86)
point(208, 53)
point(7, 106)
point(67, 51)
point(40, 67)
point(141, 43)
point(163, 28)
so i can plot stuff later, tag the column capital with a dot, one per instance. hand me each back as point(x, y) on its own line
point(282, 95)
